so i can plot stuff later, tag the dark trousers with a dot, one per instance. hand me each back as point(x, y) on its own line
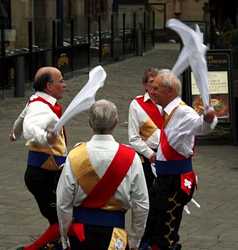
point(165, 214)
point(149, 176)
point(96, 238)
point(42, 184)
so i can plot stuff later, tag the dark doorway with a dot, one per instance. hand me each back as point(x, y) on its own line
point(223, 11)
point(5, 14)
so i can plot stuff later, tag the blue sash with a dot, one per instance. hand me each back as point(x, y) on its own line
point(173, 167)
point(99, 217)
point(37, 159)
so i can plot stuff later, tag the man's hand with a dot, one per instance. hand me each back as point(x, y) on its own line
point(12, 136)
point(209, 116)
point(152, 158)
point(51, 137)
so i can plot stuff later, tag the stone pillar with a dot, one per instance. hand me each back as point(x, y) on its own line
point(19, 76)
point(78, 13)
point(20, 13)
point(44, 14)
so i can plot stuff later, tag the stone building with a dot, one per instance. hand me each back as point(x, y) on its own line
point(15, 14)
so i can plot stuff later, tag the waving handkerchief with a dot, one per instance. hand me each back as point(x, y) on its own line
point(193, 54)
point(85, 98)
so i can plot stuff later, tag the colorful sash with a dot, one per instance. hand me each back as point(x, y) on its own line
point(176, 163)
point(168, 151)
point(151, 110)
point(46, 160)
point(57, 108)
point(89, 211)
point(108, 184)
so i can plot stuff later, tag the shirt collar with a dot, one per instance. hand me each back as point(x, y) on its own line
point(98, 137)
point(172, 105)
point(47, 97)
point(146, 97)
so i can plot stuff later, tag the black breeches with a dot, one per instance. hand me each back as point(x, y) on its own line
point(166, 208)
point(96, 238)
point(149, 176)
point(42, 184)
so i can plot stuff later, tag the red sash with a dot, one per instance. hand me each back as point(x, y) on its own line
point(187, 180)
point(152, 111)
point(112, 178)
point(57, 108)
point(168, 152)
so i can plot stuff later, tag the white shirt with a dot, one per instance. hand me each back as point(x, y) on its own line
point(38, 118)
point(182, 128)
point(132, 192)
point(17, 127)
point(137, 117)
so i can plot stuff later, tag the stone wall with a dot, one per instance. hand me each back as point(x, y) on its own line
point(20, 12)
point(183, 9)
point(42, 12)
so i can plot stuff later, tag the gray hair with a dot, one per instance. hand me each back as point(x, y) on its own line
point(103, 117)
point(150, 72)
point(169, 79)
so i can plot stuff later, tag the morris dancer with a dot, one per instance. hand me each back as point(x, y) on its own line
point(175, 182)
point(101, 180)
point(144, 124)
point(47, 151)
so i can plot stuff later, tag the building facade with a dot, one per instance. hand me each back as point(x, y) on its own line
point(15, 15)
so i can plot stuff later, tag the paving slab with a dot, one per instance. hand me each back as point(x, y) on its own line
point(212, 227)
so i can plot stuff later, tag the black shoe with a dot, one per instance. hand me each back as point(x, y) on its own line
point(144, 246)
point(20, 248)
point(56, 245)
point(177, 247)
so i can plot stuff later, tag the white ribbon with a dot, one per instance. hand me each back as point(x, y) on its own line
point(193, 54)
point(85, 98)
point(186, 208)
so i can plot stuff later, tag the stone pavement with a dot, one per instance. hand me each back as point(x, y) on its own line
point(212, 227)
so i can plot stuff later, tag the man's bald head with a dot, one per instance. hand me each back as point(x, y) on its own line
point(43, 76)
point(50, 81)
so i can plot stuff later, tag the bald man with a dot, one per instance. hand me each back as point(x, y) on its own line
point(47, 152)
point(43, 75)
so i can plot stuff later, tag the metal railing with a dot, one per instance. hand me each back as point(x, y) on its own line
point(86, 42)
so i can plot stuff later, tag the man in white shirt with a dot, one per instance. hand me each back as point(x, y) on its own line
point(101, 180)
point(47, 151)
point(175, 182)
point(144, 123)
